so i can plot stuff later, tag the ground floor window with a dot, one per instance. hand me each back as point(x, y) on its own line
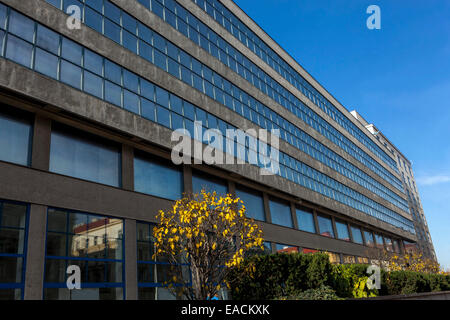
point(13, 244)
point(153, 274)
point(92, 242)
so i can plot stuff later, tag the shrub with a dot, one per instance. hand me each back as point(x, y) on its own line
point(321, 293)
point(350, 281)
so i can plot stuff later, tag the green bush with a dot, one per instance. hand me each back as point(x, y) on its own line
point(307, 276)
point(321, 293)
point(275, 275)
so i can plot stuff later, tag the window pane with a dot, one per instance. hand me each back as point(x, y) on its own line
point(83, 156)
point(93, 62)
point(10, 270)
point(15, 138)
point(57, 220)
point(3, 10)
point(253, 203)
point(379, 241)
point(157, 178)
point(163, 116)
point(147, 90)
point(93, 84)
point(129, 41)
point(284, 248)
point(130, 81)
point(325, 226)
point(47, 39)
point(130, 101)
point(369, 238)
point(112, 30)
point(21, 26)
point(148, 109)
point(356, 233)
point(113, 93)
point(280, 213)
point(113, 72)
point(305, 220)
point(93, 19)
point(12, 240)
point(342, 231)
point(70, 74)
point(112, 12)
point(13, 215)
point(71, 51)
point(210, 184)
point(19, 51)
point(46, 63)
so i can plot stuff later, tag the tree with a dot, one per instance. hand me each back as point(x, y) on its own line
point(208, 233)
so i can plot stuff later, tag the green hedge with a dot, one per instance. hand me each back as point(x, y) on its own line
point(303, 276)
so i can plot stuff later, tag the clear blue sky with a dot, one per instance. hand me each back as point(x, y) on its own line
point(398, 78)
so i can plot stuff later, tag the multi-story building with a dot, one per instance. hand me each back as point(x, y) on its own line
point(86, 119)
point(424, 243)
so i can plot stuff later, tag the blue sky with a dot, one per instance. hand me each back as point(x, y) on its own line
point(397, 77)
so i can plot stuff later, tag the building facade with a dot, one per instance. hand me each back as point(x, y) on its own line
point(86, 119)
point(424, 243)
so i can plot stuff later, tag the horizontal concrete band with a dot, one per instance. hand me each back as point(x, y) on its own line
point(75, 194)
point(37, 86)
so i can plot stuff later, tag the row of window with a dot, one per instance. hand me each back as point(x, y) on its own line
point(95, 243)
point(136, 37)
point(87, 157)
point(241, 32)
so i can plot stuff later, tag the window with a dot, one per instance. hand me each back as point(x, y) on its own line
point(131, 101)
point(46, 63)
point(13, 239)
point(342, 231)
point(388, 242)
point(357, 236)
point(305, 220)
point(157, 177)
point(47, 39)
point(379, 241)
point(253, 202)
point(71, 51)
point(19, 51)
point(15, 136)
point(70, 241)
point(82, 155)
point(210, 184)
point(335, 258)
point(70, 74)
point(21, 26)
point(325, 226)
point(369, 238)
point(93, 84)
point(284, 248)
point(281, 213)
point(152, 273)
point(93, 62)
point(348, 259)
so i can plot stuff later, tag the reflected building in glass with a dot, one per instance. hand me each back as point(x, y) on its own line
point(86, 120)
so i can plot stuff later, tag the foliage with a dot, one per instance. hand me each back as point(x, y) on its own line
point(279, 275)
point(408, 282)
point(414, 261)
point(350, 281)
point(209, 233)
point(321, 293)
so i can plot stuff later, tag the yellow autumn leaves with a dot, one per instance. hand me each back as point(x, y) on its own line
point(207, 225)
